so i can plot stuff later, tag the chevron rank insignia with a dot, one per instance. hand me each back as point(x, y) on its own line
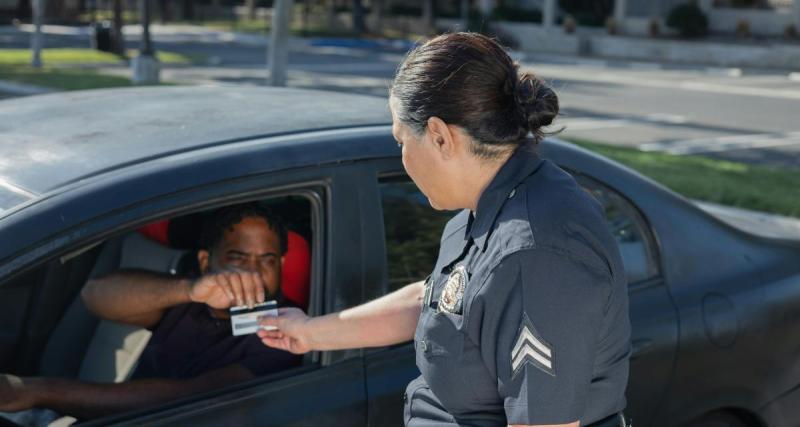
point(530, 347)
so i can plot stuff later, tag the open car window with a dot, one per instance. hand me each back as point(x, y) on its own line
point(66, 340)
point(412, 231)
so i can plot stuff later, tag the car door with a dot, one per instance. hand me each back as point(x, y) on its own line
point(411, 228)
point(329, 389)
point(404, 247)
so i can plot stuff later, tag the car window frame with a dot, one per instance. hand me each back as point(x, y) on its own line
point(649, 236)
point(317, 190)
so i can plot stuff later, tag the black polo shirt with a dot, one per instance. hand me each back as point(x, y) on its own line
point(189, 341)
point(525, 316)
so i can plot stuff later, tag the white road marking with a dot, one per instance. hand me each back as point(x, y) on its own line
point(564, 73)
point(582, 124)
point(725, 143)
point(673, 119)
point(591, 124)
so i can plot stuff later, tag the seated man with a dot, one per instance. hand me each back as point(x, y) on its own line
point(192, 349)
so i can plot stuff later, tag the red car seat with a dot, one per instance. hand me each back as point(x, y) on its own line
point(296, 271)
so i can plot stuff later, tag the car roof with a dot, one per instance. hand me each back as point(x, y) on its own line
point(49, 141)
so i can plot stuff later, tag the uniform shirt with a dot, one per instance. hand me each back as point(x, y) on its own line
point(525, 316)
point(189, 341)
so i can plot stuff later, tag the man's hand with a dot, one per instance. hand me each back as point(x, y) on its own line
point(13, 394)
point(293, 334)
point(229, 288)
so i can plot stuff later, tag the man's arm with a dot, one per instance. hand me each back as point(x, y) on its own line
point(390, 319)
point(139, 297)
point(90, 400)
point(135, 297)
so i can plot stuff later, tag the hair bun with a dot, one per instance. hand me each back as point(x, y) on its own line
point(536, 101)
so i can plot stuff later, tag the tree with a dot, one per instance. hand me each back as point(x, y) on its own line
point(359, 27)
point(428, 15)
point(251, 9)
point(188, 9)
point(118, 40)
point(164, 11)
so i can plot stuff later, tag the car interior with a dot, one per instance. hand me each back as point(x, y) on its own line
point(81, 346)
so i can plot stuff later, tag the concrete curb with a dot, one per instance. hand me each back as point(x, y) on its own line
point(22, 89)
point(758, 223)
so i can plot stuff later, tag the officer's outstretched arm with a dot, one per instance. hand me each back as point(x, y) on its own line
point(388, 320)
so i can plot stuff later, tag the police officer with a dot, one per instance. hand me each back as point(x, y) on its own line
point(524, 319)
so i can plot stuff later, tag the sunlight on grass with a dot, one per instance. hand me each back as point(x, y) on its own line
point(761, 188)
point(68, 56)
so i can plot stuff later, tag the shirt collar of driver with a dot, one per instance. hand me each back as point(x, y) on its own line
point(522, 163)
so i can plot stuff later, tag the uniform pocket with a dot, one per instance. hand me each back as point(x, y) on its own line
point(443, 336)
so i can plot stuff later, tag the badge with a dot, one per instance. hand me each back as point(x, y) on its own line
point(453, 294)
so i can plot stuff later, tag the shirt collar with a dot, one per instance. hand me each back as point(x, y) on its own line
point(522, 163)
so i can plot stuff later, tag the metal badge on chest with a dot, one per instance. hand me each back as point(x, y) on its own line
point(452, 299)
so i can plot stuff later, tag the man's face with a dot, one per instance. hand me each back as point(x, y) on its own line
point(249, 245)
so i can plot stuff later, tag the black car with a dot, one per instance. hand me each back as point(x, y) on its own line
point(715, 310)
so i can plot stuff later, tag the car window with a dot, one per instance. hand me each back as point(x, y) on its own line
point(413, 230)
point(629, 229)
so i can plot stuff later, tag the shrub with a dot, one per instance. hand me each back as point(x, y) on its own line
point(790, 32)
point(516, 14)
point(590, 13)
point(570, 25)
point(654, 27)
point(688, 19)
point(743, 28)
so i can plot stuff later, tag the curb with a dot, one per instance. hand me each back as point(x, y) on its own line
point(22, 89)
point(754, 222)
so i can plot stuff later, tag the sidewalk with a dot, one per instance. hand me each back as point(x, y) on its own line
point(758, 223)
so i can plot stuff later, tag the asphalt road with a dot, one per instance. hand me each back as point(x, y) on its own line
point(744, 115)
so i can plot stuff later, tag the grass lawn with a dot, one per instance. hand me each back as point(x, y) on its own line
point(66, 56)
point(62, 69)
point(761, 188)
point(60, 78)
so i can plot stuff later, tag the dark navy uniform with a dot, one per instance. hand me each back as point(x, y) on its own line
point(525, 316)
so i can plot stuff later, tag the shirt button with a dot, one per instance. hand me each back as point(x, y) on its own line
point(512, 193)
point(423, 346)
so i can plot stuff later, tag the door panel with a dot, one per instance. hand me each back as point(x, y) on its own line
point(330, 396)
point(654, 337)
point(388, 373)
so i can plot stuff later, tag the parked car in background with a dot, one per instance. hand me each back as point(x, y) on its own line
point(715, 310)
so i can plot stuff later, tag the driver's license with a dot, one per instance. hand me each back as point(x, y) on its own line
point(244, 320)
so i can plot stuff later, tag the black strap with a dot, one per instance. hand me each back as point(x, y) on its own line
point(614, 420)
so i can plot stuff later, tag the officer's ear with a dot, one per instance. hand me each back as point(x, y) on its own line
point(202, 260)
point(444, 137)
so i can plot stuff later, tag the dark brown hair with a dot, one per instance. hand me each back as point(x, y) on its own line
point(468, 79)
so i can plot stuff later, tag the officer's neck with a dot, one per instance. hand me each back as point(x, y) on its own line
point(477, 177)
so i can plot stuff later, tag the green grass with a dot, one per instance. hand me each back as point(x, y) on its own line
point(761, 188)
point(61, 78)
point(65, 56)
point(260, 26)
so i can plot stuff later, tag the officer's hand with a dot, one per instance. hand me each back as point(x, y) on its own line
point(14, 396)
point(293, 334)
point(229, 288)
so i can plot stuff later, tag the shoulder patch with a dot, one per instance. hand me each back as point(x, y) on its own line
point(530, 347)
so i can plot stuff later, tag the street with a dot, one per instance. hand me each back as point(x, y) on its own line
point(743, 115)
